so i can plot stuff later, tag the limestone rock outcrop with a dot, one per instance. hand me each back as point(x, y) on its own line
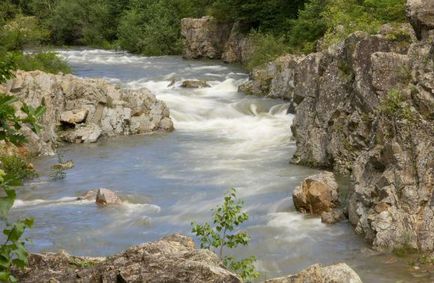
point(207, 38)
point(171, 259)
point(337, 273)
point(365, 107)
point(275, 79)
point(204, 37)
point(317, 194)
point(421, 16)
point(82, 110)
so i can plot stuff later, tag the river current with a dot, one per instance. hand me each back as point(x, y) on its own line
point(223, 139)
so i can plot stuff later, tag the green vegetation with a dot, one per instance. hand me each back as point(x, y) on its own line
point(223, 233)
point(152, 27)
point(267, 48)
point(12, 171)
point(395, 106)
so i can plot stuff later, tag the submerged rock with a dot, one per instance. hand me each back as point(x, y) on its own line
point(107, 197)
point(194, 84)
point(82, 110)
point(63, 165)
point(317, 194)
point(171, 259)
point(337, 273)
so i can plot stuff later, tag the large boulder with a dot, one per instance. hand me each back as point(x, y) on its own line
point(317, 194)
point(421, 15)
point(82, 110)
point(171, 259)
point(337, 273)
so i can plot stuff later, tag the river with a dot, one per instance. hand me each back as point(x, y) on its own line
point(223, 139)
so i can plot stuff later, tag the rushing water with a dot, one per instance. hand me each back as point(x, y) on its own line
point(223, 139)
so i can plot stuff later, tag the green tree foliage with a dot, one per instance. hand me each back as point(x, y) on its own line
point(21, 31)
point(80, 22)
point(13, 252)
point(223, 233)
point(308, 27)
point(152, 27)
point(267, 15)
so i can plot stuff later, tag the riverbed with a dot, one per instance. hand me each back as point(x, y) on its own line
point(223, 139)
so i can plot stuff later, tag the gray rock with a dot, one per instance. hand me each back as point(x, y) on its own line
point(349, 120)
point(82, 110)
point(89, 133)
point(332, 217)
point(275, 79)
point(421, 15)
point(338, 273)
point(171, 259)
point(204, 37)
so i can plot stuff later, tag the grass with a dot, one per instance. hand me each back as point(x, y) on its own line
point(47, 62)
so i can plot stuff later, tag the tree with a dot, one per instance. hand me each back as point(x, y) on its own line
point(222, 234)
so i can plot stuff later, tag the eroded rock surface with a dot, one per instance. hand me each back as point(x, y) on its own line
point(317, 194)
point(82, 110)
point(172, 259)
point(338, 273)
point(421, 16)
point(275, 79)
point(207, 38)
point(365, 107)
point(204, 37)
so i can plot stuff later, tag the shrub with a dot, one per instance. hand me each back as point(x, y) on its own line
point(17, 169)
point(394, 106)
point(47, 62)
point(267, 47)
point(22, 31)
point(221, 234)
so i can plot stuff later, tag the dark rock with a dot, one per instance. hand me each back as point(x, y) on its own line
point(194, 84)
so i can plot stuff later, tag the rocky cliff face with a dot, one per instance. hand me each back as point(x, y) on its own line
point(83, 110)
point(207, 38)
point(172, 259)
point(365, 107)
